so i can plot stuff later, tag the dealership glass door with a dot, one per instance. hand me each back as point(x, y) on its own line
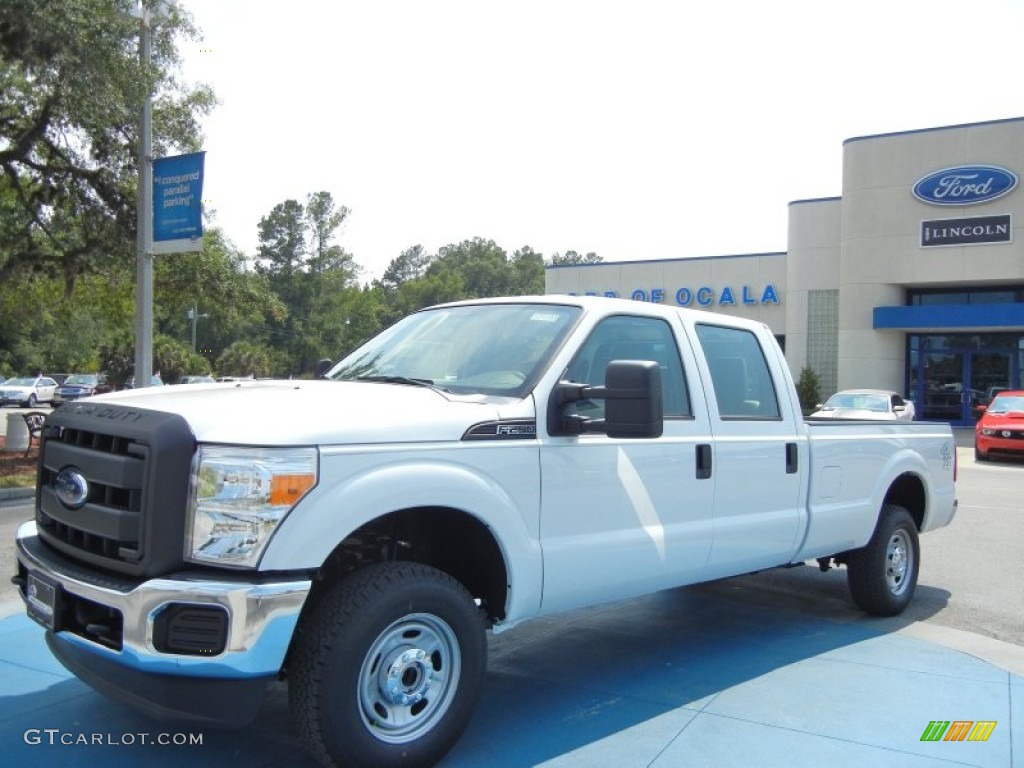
point(988, 372)
point(949, 384)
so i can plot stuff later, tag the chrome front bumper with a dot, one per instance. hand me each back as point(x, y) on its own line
point(261, 616)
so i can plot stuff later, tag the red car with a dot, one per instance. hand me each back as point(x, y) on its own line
point(1000, 430)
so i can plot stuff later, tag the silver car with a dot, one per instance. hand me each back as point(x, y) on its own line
point(876, 404)
point(28, 391)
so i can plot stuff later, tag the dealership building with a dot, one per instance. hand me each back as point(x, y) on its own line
point(912, 280)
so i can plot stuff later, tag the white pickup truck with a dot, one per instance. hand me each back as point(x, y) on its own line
point(475, 465)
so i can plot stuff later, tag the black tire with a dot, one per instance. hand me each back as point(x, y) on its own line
point(978, 455)
point(883, 575)
point(388, 667)
point(32, 402)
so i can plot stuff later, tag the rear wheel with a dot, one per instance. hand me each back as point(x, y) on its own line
point(883, 574)
point(388, 667)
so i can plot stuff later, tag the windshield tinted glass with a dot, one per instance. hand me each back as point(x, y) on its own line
point(487, 348)
point(859, 402)
point(1005, 404)
point(80, 380)
point(22, 382)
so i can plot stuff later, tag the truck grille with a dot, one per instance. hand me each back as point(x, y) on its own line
point(113, 485)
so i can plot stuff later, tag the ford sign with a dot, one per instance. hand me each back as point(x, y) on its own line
point(966, 185)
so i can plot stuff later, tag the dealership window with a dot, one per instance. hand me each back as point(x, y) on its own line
point(1003, 295)
point(950, 376)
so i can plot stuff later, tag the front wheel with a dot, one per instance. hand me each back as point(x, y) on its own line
point(32, 401)
point(883, 574)
point(387, 668)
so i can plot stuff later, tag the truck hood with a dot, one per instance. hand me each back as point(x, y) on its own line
point(318, 412)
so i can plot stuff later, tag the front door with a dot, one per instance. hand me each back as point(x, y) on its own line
point(942, 383)
point(956, 382)
point(988, 373)
point(621, 517)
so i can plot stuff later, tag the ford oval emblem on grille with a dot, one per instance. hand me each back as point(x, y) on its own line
point(72, 488)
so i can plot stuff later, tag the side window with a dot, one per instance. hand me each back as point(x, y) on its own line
point(624, 337)
point(739, 372)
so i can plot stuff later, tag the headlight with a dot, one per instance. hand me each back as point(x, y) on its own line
point(239, 496)
point(988, 432)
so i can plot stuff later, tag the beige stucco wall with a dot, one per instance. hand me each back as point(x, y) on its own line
point(812, 264)
point(880, 251)
point(746, 276)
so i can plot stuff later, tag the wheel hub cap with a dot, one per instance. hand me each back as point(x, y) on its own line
point(406, 678)
point(899, 562)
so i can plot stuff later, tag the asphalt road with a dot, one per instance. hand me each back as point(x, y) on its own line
point(971, 571)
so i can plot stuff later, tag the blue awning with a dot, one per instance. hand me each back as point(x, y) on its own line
point(951, 316)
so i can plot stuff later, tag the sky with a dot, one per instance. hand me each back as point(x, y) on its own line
point(637, 129)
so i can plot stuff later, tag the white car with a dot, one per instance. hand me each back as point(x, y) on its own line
point(28, 391)
point(877, 404)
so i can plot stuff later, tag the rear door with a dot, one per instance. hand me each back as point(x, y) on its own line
point(760, 456)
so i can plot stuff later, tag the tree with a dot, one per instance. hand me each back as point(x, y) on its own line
point(245, 359)
point(481, 264)
point(807, 390)
point(572, 257)
point(71, 88)
point(235, 302)
point(528, 266)
point(309, 273)
point(410, 264)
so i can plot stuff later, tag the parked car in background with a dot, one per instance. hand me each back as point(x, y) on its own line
point(28, 391)
point(880, 404)
point(78, 385)
point(1000, 430)
point(156, 381)
point(197, 380)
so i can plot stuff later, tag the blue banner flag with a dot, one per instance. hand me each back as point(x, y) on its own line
point(177, 203)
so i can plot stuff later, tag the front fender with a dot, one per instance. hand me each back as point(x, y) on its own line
point(501, 488)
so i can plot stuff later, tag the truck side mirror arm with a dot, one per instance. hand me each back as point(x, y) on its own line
point(633, 403)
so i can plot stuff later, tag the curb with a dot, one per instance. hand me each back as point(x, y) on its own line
point(16, 494)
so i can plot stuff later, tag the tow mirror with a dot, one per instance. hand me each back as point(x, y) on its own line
point(633, 403)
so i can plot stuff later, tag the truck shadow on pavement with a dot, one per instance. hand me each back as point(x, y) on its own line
point(557, 688)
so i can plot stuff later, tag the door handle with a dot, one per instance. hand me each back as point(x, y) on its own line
point(703, 456)
point(791, 458)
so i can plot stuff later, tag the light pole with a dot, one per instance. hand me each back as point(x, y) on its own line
point(193, 315)
point(144, 202)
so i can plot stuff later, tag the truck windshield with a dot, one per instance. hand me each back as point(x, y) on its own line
point(498, 349)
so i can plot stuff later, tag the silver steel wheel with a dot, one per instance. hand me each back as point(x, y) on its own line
point(883, 573)
point(409, 678)
point(899, 561)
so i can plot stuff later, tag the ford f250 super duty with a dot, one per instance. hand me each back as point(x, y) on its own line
point(475, 465)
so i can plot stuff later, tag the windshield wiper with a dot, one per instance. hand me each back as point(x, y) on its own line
point(399, 380)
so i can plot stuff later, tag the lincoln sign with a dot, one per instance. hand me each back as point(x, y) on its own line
point(981, 229)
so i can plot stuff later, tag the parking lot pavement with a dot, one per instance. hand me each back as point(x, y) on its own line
point(684, 677)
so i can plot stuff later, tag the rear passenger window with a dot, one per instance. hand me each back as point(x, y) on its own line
point(624, 337)
point(739, 372)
